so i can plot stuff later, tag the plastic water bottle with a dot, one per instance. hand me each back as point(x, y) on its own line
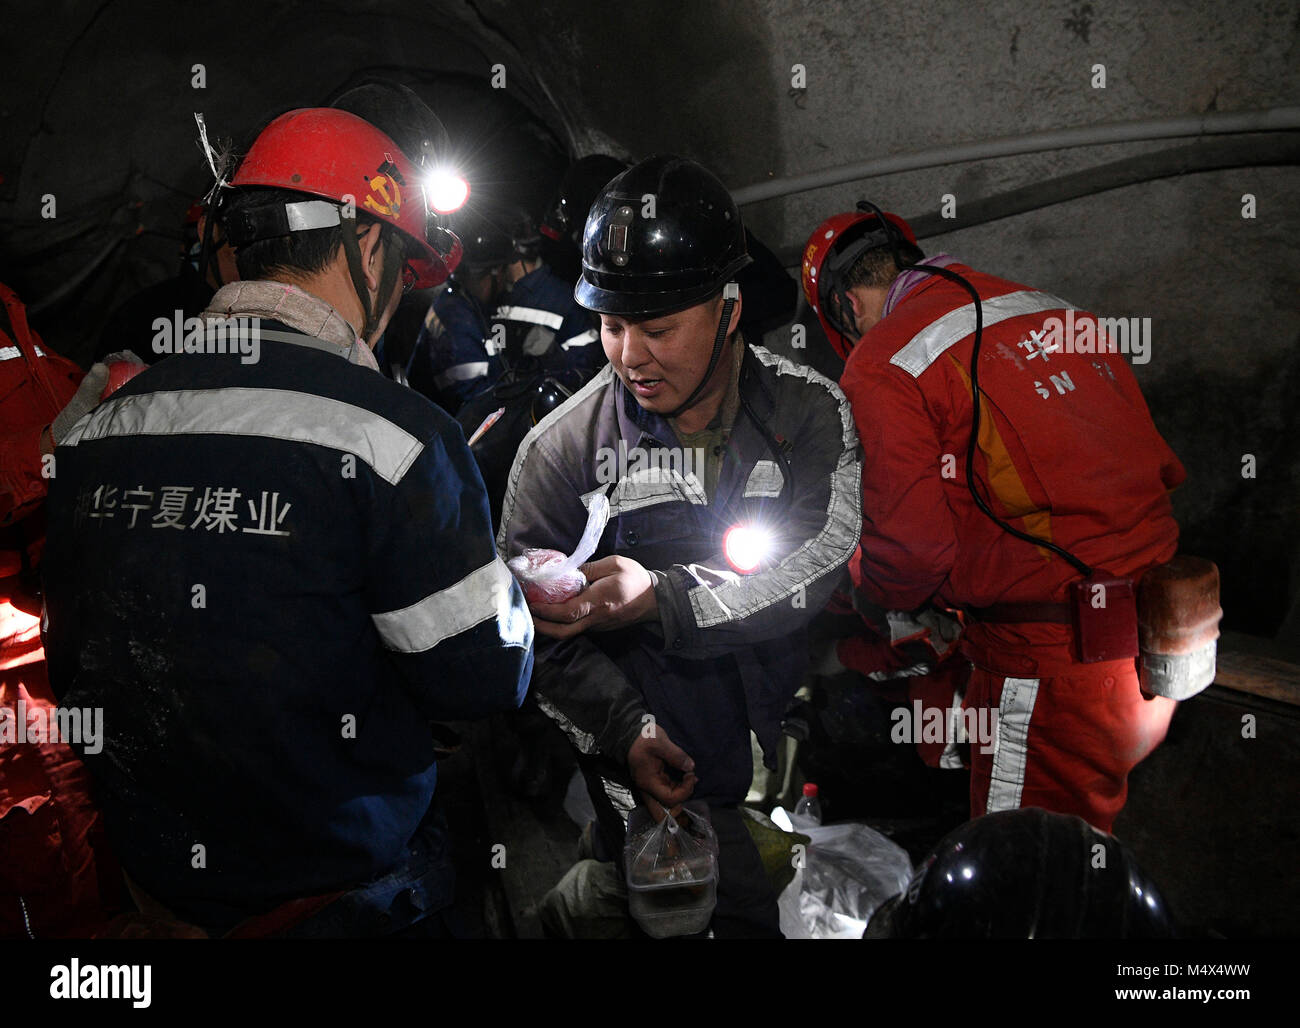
point(808, 811)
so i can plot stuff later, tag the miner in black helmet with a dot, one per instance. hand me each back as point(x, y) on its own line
point(1027, 874)
point(732, 478)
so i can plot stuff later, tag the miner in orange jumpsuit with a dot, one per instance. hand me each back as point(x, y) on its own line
point(1065, 453)
point(57, 877)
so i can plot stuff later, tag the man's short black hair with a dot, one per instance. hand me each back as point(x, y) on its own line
point(303, 253)
point(876, 267)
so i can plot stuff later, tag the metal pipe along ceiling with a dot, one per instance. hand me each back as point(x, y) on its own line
point(1272, 120)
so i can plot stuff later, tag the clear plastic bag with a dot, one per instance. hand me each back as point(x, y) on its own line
point(672, 871)
point(548, 576)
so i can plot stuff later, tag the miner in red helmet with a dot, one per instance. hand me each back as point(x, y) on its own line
point(273, 567)
point(1024, 510)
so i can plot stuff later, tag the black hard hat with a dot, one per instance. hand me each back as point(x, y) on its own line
point(496, 235)
point(486, 239)
point(524, 237)
point(1025, 874)
point(548, 395)
point(582, 183)
point(662, 236)
point(401, 115)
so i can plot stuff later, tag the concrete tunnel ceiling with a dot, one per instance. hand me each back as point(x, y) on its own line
point(98, 113)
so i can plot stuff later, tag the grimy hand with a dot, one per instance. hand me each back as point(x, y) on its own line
point(649, 759)
point(620, 592)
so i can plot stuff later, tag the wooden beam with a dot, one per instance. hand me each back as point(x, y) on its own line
point(1259, 676)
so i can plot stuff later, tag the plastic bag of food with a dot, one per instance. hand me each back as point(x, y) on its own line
point(851, 869)
point(548, 576)
point(672, 870)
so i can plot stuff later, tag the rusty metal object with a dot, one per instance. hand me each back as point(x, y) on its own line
point(1178, 625)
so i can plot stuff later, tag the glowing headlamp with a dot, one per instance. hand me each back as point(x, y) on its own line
point(746, 547)
point(446, 191)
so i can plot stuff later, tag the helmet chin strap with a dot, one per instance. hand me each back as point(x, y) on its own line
point(208, 259)
point(843, 317)
point(392, 265)
point(730, 294)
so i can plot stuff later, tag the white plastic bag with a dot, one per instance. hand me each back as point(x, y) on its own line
point(849, 870)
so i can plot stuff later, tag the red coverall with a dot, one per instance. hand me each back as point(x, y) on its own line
point(1067, 452)
point(56, 877)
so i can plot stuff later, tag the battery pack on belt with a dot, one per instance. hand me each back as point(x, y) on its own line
point(1104, 613)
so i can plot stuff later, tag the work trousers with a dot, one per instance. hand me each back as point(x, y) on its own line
point(1067, 734)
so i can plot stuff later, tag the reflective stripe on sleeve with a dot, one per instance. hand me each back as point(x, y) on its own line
point(532, 315)
point(8, 353)
point(479, 596)
point(461, 373)
point(581, 339)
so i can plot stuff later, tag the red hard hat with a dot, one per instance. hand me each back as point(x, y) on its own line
point(825, 239)
point(336, 155)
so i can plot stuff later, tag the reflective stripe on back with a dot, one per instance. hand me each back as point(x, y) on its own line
point(930, 343)
point(267, 413)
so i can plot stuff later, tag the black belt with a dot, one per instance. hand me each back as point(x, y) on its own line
point(1017, 613)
